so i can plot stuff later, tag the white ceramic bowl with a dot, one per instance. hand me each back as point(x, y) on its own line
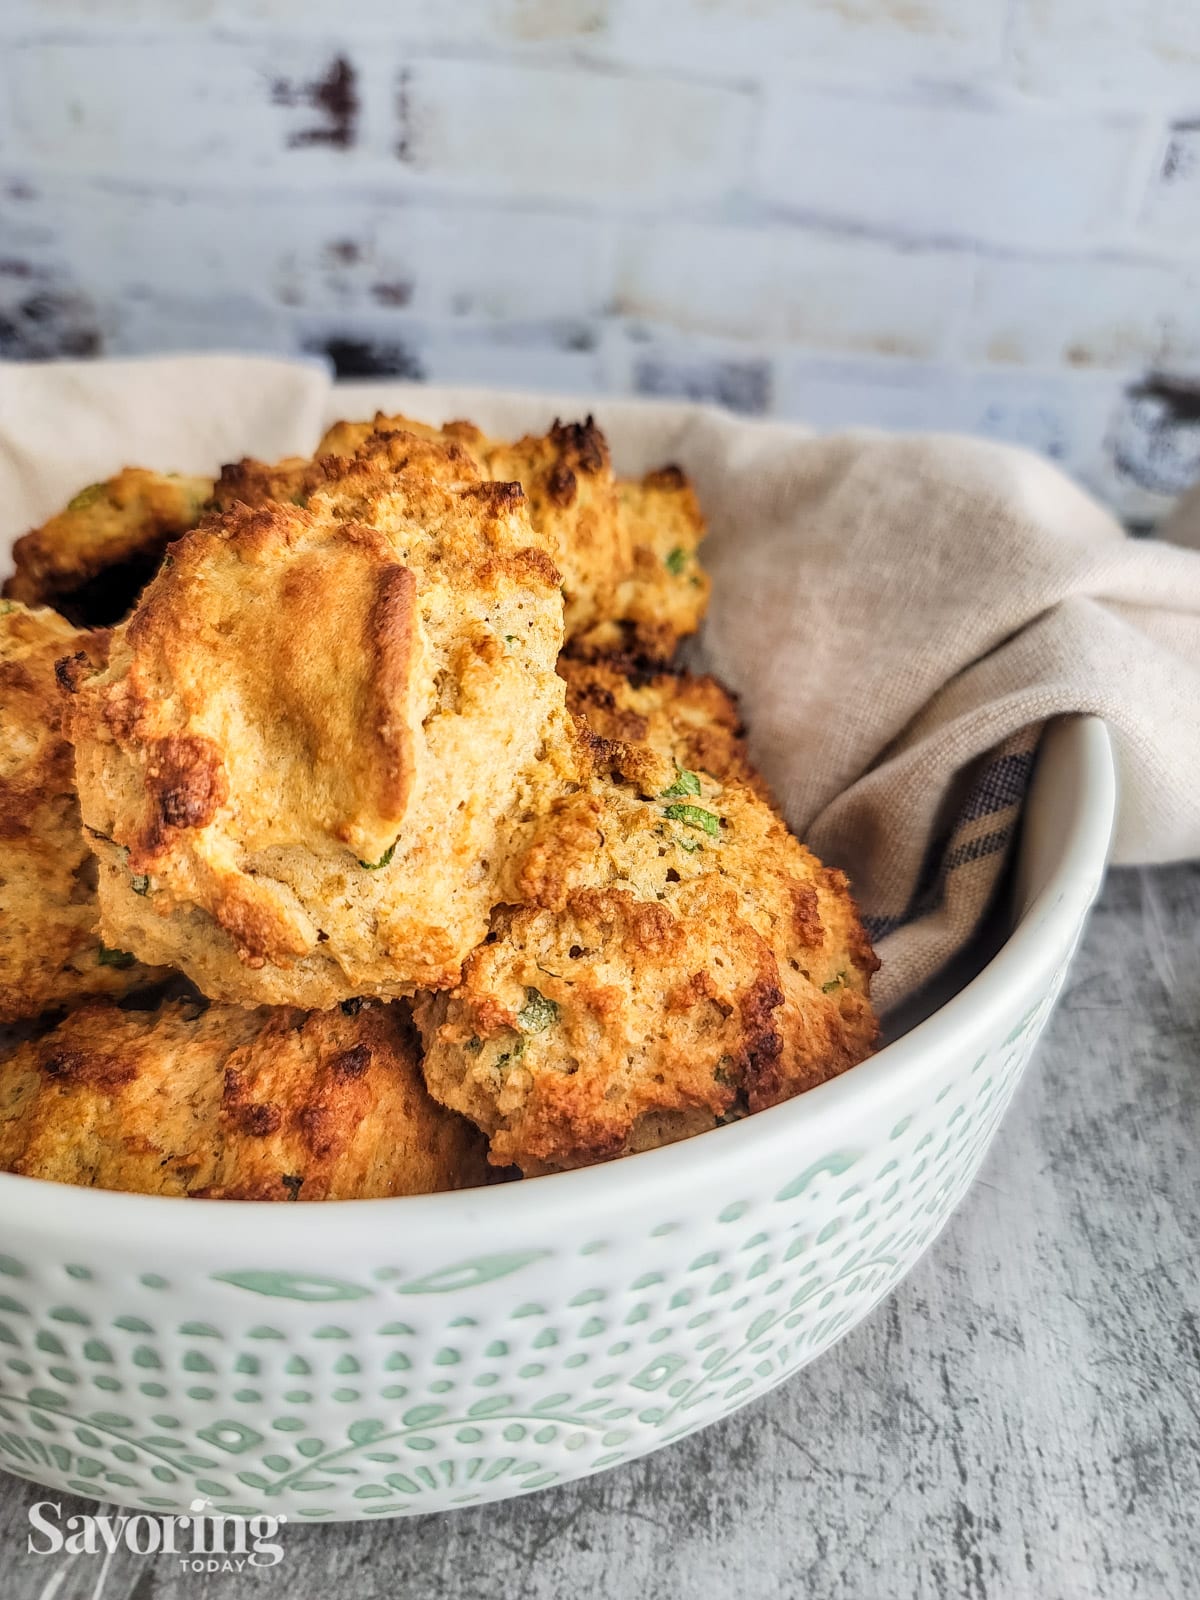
point(393, 1357)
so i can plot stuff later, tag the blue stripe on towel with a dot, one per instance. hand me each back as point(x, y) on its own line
point(1000, 786)
point(975, 849)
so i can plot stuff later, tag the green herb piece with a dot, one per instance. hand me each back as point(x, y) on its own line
point(690, 845)
point(300, 498)
point(88, 497)
point(685, 783)
point(511, 638)
point(374, 866)
point(537, 1013)
point(140, 883)
point(677, 560)
point(834, 983)
point(115, 958)
point(6, 607)
point(515, 1054)
point(694, 817)
point(721, 1076)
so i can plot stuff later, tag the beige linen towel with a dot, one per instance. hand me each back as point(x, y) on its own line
point(899, 614)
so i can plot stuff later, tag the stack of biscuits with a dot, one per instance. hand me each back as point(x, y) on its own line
point(358, 837)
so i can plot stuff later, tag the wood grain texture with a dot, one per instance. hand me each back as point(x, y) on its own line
point(1021, 1421)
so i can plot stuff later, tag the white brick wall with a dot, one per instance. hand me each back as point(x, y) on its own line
point(1172, 204)
point(783, 285)
point(928, 167)
point(979, 214)
point(850, 40)
point(567, 135)
point(1098, 312)
point(1122, 51)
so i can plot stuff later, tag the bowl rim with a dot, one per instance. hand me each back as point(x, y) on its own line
point(1076, 752)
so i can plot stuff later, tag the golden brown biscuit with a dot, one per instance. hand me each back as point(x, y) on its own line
point(50, 949)
point(252, 483)
point(92, 560)
point(664, 594)
point(627, 550)
point(427, 454)
point(347, 438)
point(632, 582)
point(320, 733)
point(230, 1103)
point(680, 959)
point(690, 719)
point(567, 476)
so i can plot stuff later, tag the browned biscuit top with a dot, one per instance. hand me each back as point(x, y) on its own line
point(91, 560)
point(51, 952)
point(233, 1103)
point(675, 957)
point(318, 732)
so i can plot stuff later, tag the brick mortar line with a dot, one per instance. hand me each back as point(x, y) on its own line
point(430, 194)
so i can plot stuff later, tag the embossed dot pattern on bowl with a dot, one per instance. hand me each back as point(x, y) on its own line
point(355, 1410)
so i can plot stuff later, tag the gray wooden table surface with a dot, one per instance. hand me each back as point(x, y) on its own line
point(1021, 1419)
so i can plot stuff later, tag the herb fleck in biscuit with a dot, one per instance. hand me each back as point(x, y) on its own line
point(321, 733)
point(50, 949)
point(231, 1103)
point(679, 958)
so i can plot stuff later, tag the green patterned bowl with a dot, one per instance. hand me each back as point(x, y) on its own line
point(394, 1357)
